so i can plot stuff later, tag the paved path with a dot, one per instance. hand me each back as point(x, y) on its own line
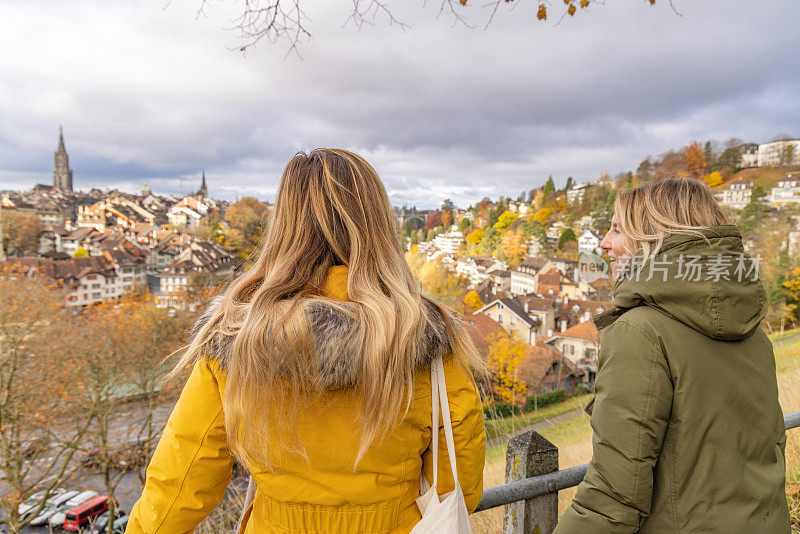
point(539, 425)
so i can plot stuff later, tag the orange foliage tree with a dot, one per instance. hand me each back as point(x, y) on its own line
point(696, 159)
point(41, 418)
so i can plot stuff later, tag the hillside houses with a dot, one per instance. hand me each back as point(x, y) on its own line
point(87, 280)
point(786, 192)
point(589, 242)
point(478, 269)
point(575, 194)
point(737, 194)
point(542, 369)
point(580, 344)
point(197, 257)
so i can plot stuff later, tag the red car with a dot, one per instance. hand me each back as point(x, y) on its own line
point(81, 514)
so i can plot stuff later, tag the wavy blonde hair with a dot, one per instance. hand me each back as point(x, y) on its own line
point(331, 208)
point(649, 213)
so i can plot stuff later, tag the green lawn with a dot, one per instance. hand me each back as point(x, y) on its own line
point(559, 433)
point(506, 425)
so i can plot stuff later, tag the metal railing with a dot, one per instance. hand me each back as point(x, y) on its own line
point(536, 481)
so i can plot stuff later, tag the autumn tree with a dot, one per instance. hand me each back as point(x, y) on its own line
point(475, 237)
point(21, 232)
point(792, 286)
point(472, 301)
point(437, 282)
point(504, 220)
point(246, 220)
point(503, 363)
point(644, 173)
point(671, 163)
point(433, 220)
point(714, 179)
point(447, 218)
point(41, 423)
point(695, 159)
point(514, 246)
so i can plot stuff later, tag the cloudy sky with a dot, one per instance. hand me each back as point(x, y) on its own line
point(152, 93)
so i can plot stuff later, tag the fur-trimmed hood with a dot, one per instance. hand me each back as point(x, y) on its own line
point(329, 327)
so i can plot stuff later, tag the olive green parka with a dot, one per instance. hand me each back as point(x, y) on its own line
point(688, 436)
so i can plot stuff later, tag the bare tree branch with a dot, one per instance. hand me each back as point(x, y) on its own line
point(365, 11)
point(275, 20)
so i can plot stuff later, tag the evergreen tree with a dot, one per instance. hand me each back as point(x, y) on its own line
point(549, 185)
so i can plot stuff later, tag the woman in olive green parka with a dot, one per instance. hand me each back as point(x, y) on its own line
point(688, 433)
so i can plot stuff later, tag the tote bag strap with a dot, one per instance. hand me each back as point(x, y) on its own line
point(439, 396)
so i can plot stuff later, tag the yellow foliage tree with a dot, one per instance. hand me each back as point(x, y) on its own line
point(505, 219)
point(714, 179)
point(792, 285)
point(475, 237)
point(542, 215)
point(505, 357)
point(473, 301)
point(514, 245)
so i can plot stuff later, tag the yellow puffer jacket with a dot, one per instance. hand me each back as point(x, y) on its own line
point(191, 466)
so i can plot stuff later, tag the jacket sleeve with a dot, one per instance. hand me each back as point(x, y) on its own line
point(191, 466)
point(469, 434)
point(633, 401)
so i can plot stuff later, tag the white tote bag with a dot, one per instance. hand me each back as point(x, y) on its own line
point(441, 514)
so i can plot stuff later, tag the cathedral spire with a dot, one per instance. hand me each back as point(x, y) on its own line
point(62, 174)
point(203, 191)
point(61, 148)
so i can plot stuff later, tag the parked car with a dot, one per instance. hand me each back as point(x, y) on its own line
point(33, 501)
point(120, 525)
point(101, 522)
point(52, 506)
point(83, 514)
point(57, 519)
point(123, 457)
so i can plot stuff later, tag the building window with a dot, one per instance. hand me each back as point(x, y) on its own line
point(512, 320)
point(567, 383)
point(500, 318)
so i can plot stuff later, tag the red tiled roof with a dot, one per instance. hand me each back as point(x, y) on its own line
point(480, 328)
point(585, 330)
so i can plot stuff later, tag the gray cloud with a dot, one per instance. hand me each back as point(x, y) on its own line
point(155, 95)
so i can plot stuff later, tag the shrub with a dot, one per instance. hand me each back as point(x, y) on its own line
point(498, 410)
point(545, 399)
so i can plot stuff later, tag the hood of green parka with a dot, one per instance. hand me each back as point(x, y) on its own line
point(723, 298)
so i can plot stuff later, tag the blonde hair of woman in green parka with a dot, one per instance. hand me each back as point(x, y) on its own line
point(331, 208)
point(647, 214)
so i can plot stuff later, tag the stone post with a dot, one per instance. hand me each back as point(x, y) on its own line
point(529, 455)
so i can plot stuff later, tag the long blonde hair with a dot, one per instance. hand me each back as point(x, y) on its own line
point(331, 208)
point(649, 213)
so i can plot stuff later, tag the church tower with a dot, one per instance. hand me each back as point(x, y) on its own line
point(62, 174)
point(203, 191)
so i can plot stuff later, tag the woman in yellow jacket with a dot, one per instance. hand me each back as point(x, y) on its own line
point(312, 370)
